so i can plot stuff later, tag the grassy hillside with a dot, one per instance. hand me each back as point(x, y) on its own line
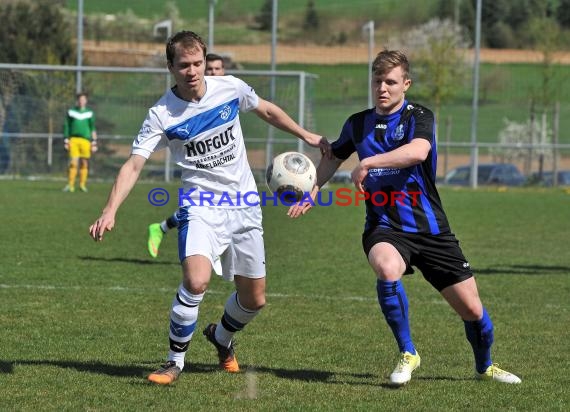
point(234, 18)
point(341, 90)
point(505, 91)
point(235, 10)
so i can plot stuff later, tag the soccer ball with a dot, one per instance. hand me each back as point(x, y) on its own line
point(291, 174)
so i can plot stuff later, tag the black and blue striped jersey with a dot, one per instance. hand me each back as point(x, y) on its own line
point(399, 199)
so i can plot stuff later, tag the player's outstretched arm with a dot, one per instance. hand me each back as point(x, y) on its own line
point(277, 117)
point(124, 182)
point(325, 170)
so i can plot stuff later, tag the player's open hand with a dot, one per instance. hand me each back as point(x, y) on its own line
point(321, 142)
point(104, 224)
point(303, 206)
point(325, 147)
point(358, 175)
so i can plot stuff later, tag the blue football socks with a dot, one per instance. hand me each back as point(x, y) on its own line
point(394, 304)
point(480, 336)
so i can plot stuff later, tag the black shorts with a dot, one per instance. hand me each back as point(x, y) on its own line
point(438, 257)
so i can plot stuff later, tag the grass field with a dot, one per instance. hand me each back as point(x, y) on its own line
point(505, 90)
point(122, 103)
point(84, 323)
point(341, 90)
point(235, 10)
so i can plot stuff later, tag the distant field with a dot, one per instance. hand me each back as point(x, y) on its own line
point(235, 20)
point(505, 92)
point(337, 96)
point(228, 9)
point(341, 90)
point(83, 324)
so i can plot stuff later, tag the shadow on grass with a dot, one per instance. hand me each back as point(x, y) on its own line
point(305, 375)
point(126, 260)
point(523, 270)
point(93, 367)
point(311, 375)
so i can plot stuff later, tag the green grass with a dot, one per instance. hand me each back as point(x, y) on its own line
point(227, 10)
point(505, 90)
point(122, 104)
point(84, 323)
point(338, 96)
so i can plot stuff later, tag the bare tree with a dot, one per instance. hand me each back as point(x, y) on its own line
point(515, 136)
point(439, 63)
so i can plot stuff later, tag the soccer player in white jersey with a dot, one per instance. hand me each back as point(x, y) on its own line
point(156, 231)
point(198, 119)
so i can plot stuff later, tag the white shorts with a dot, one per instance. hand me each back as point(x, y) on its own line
point(232, 239)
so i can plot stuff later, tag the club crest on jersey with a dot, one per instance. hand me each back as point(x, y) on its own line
point(145, 129)
point(398, 134)
point(225, 112)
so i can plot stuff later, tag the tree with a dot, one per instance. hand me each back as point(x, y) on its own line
point(264, 17)
point(30, 33)
point(545, 34)
point(522, 11)
point(467, 14)
point(494, 12)
point(437, 49)
point(33, 32)
point(563, 13)
point(514, 135)
point(493, 80)
point(311, 17)
point(500, 36)
point(445, 8)
point(504, 22)
point(492, 22)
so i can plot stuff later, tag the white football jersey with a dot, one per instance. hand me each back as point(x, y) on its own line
point(206, 141)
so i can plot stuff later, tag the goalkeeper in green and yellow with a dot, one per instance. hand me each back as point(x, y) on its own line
point(80, 140)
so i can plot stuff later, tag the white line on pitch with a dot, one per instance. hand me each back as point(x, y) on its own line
point(172, 290)
point(217, 292)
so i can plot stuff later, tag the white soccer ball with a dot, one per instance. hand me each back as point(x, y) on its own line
point(291, 174)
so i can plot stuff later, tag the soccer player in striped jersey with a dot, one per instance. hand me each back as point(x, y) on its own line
point(80, 140)
point(199, 120)
point(156, 231)
point(405, 223)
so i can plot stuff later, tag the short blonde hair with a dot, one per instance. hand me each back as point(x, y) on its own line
point(387, 60)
